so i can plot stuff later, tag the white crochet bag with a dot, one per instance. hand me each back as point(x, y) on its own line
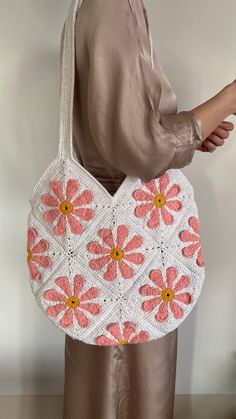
point(111, 270)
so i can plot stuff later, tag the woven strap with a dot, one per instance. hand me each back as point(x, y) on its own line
point(68, 80)
point(67, 83)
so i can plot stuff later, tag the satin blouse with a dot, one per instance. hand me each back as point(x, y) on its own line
point(125, 112)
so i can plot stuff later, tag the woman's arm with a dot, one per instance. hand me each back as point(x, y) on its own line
point(123, 102)
point(124, 93)
point(211, 113)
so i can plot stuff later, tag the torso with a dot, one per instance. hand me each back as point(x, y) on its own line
point(86, 151)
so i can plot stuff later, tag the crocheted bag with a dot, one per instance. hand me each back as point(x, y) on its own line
point(105, 269)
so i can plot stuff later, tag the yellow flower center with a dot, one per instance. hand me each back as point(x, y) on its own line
point(168, 294)
point(123, 342)
point(72, 302)
point(66, 207)
point(117, 253)
point(29, 255)
point(159, 200)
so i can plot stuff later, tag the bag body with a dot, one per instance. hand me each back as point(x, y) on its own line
point(111, 270)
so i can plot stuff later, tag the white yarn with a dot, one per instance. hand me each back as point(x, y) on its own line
point(162, 247)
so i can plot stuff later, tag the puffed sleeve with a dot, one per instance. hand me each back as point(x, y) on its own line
point(123, 103)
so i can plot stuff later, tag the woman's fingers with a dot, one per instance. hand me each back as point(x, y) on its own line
point(209, 146)
point(227, 125)
point(218, 141)
point(203, 148)
point(217, 137)
point(220, 132)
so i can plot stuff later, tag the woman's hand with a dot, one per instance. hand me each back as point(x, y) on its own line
point(215, 110)
point(217, 137)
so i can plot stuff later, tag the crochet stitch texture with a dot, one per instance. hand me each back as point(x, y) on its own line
point(111, 270)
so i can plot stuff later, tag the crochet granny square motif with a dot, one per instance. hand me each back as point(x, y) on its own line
point(118, 269)
point(111, 270)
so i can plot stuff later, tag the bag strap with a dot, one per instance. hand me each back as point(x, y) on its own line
point(67, 83)
point(68, 80)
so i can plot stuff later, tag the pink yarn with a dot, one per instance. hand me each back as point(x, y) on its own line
point(149, 205)
point(167, 287)
point(35, 254)
point(118, 334)
point(109, 244)
point(72, 205)
point(81, 301)
point(193, 237)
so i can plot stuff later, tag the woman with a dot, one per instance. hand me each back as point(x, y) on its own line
point(126, 123)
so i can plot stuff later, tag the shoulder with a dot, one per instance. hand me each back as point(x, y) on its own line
point(106, 20)
point(97, 9)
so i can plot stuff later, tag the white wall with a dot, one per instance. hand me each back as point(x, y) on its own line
point(195, 43)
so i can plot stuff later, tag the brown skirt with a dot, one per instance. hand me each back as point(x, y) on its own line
point(133, 381)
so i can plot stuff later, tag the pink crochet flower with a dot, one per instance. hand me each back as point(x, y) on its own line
point(72, 303)
point(35, 255)
point(158, 201)
point(67, 207)
point(122, 337)
point(115, 253)
point(166, 295)
point(194, 239)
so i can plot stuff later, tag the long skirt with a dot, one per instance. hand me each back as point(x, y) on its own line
point(133, 381)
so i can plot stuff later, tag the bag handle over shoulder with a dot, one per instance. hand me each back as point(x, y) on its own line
point(68, 80)
point(67, 83)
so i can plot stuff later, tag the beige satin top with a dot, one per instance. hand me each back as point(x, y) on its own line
point(125, 112)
